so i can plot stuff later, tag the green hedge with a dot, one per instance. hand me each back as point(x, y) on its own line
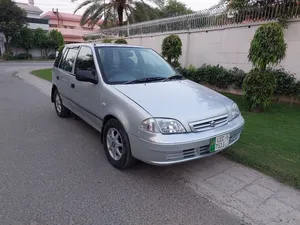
point(218, 76)
point(8, 55)
point(22, 56)
point(121, 41)
point(215, 75)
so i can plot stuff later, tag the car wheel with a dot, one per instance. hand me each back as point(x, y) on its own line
point(117, 145)
point(60, 109)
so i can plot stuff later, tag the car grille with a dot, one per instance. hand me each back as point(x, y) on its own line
point(186, 154)
point(195, 152)
point(209, 124)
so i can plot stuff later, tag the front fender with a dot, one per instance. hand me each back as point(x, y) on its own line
point(125, 110)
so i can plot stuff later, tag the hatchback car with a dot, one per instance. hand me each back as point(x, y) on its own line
point(143, 108)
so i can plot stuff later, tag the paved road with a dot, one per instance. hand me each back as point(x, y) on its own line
point(54, 171)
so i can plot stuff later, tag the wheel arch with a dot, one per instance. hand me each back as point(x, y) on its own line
point(106, 119)
point(54, 88)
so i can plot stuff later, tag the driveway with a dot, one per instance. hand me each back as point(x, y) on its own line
point(54, 171)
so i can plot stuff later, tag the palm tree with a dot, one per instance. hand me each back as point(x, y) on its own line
point(96, 9)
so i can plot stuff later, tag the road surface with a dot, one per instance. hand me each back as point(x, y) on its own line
point(54, 171)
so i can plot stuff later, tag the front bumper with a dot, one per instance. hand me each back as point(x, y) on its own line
point(178, 148)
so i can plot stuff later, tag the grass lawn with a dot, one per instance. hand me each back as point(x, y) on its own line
point(270, 142)
point(45, 74)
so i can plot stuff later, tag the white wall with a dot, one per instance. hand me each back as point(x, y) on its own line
point(35, 52)
point(227, 46)
point(33, 15)
point(34, 26)
point(2, 41)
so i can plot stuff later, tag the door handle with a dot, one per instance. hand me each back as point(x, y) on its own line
point(72, 85)
point(57, 77)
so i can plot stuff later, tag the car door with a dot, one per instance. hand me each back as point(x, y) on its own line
point(66, 76)
point(56, 72)
point(87, 95)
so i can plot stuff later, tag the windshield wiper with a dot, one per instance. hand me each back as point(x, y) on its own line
point(145, 80)
point(174, 77)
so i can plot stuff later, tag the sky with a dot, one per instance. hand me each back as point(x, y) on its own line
point(69, 7)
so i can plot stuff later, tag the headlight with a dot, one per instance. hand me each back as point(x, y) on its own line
point(235, 112)
point(160, 125)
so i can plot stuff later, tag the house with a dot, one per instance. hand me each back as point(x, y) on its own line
point(69, 25)
point(33, 22)
point(33, 16)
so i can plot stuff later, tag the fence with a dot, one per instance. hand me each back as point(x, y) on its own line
point(217, 16)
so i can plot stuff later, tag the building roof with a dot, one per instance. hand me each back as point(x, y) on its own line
point(30, 8)
point(64, 16)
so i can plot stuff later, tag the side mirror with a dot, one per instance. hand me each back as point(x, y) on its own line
point(86, 76)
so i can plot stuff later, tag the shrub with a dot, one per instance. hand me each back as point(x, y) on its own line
point(172, 49)
point(23, 56)
point(121, 41)
point(215, 75)
point(238, 76)
point(189, 73)
point(52, 56)
point(259, 86)
point(286, 83)
point(7, 55)
point(93, 38)
point(268, 46)
point(106, 40)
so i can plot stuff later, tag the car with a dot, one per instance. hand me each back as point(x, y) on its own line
point(143, 108)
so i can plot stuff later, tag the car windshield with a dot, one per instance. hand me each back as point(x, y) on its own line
point(129, 65)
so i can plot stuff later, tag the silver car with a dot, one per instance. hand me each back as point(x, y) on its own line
point(143, 108)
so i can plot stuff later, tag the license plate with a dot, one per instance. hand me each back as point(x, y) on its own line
point(219, 143)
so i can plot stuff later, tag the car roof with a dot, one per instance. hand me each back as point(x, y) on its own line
point(94, 44)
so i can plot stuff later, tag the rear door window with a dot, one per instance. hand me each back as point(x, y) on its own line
point(69, 60)
point(60, 55)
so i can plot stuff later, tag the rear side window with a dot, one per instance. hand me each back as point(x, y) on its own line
point(85, 59)
point(68, 61)
point(57, 60)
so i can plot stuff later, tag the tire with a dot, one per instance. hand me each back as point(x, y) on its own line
point(60, 109)
point(125, 160)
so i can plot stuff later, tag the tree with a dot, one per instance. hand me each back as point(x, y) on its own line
point(267, 48)
point(144, 12)
point(172, 49)
point(12, 19)
point(24, 39)
point(56, 38)
point(97, 9)
point(39, 36)
point(47, 44)
point(264, 9)
point(174, 8)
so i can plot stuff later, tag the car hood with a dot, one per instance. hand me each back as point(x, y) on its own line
point(183, 100)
